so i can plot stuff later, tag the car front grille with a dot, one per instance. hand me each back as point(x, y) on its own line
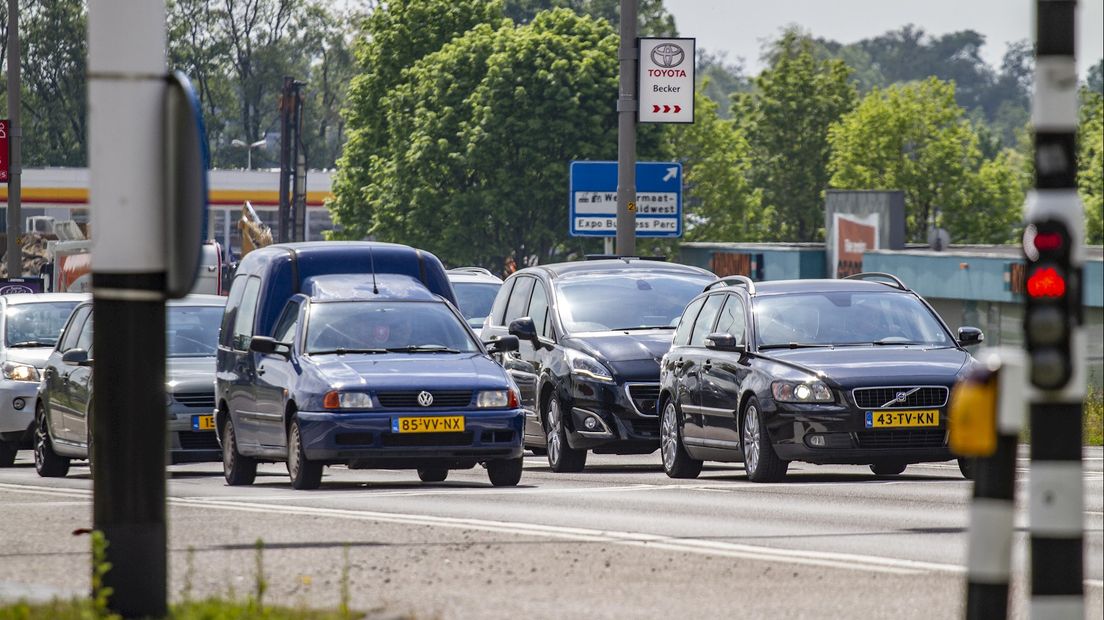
point(199, 400)
point(395, 440)
point(441, 399)
point(644, 397)
point(198, 440)
point(909, 438)
point(886, 397)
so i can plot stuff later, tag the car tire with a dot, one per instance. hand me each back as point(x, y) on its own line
point(48, 463)
point(676, 462)
point(888, 469)
point(432, 474)
point(505, 473)
point(966, 466)
point(305, 474)
point(7, 454)
point(238, 469)
point(562, 458)
point(761, 463)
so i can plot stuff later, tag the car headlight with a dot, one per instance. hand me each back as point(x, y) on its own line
point(801, 392)
point(20, 372)
point(586, 366)
point(347, 400)
point(497, 399)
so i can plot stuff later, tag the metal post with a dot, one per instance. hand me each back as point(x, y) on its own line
point(1056, 485)
point(992, 511)
point(284, 231)
point(626, 132)
point(299, 175)
point(15, 139)
point(127, 85)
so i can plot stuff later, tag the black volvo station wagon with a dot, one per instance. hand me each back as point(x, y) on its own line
point(851, 371)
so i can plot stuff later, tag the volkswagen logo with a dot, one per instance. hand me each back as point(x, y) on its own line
point(425, 399)
point(668, 55)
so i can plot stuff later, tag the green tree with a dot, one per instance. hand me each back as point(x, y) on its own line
point(786, 119)
point(393, 38)
point(653, 19)
point(718, 200)
point(54, 49)
point(1090, 174)
point(915, 138)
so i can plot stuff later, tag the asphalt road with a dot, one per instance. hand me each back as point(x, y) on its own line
point(619, 540)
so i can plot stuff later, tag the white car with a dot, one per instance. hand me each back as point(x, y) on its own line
point(30, 324)
point(475, 289)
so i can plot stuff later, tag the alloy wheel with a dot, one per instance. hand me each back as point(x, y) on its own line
point(554, 423)
point(751, 438)
point(669, 435)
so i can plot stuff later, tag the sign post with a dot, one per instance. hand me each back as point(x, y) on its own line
point(667, 80)
point(627, 53)
point(594, 199)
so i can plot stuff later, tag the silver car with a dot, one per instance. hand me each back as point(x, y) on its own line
point(62, 426)
point(29, 328)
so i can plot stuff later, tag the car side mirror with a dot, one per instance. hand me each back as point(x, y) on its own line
point(505, 344)
point(969, 336)
point(76, 357)
point(524, 329)
point(269, 346)
point(723, 342)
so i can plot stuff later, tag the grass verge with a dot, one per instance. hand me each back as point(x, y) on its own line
point(1094, 418)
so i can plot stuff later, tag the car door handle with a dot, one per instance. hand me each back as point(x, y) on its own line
point(261, 370)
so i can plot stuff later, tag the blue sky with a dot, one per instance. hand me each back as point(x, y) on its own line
point(739, 27)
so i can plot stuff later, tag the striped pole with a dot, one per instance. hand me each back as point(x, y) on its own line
point(1056, 494)
point(992, 512)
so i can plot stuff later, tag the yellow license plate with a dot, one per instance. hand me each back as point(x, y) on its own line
point(902, 419)
point(203, 423)
point(435, 424)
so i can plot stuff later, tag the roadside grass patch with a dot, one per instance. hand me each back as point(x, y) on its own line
point(1094, 418)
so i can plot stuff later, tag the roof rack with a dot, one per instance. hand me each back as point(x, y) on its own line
point(733, 281)
point(624, 258)
point(476, 270)
point(870, 275)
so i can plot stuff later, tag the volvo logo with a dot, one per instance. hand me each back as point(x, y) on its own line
point(901, 397)
point(668, 55)
point(425, 399)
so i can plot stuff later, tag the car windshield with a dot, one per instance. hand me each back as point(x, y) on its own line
point(36, 324)
point(193, 330)
point(475, 298)
point(846, 318)
point(634, 300)
point(380, 326)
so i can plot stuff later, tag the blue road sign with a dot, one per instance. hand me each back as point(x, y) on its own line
point(592, 199)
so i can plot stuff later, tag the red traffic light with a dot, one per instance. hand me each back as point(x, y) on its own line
point(1046, 282)
point(1048, 241)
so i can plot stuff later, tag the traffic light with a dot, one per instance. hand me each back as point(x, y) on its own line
point(1053, 309)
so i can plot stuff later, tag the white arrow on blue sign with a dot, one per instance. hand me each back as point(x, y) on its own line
point(592, 199)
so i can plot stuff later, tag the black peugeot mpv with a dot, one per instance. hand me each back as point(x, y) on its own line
point(853, 371)
point(592, 334)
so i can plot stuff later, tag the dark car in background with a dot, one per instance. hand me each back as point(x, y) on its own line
point(369, 371)
point(850, 371)
point(29, 328)
point(65, 396)
point(475, 289)
point(592, 334)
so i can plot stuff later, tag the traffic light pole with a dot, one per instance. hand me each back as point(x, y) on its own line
point(127, 85)
point(626, 132)
point(14, 252)
point(1054, 249)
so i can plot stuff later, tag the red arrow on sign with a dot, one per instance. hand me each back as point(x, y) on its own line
point(677, 109)
point(655, 109)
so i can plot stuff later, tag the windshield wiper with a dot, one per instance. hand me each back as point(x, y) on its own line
point(32, 343)
point(641, 328)
point(423, 348)
point(793, 345)
point(341, 351)
point(884, 343)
